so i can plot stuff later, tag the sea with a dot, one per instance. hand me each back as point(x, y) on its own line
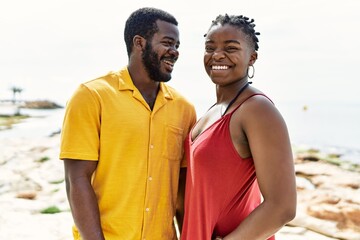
point(330, 128)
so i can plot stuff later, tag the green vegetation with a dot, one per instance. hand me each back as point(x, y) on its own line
point(57, 182)
point(330, 158)
point(43, 159)
point(50, 210)
point(15, 90)
point(6, 122)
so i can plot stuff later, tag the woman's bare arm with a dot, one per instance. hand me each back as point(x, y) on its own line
point(270, 147)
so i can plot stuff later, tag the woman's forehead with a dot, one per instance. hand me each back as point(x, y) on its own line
point(225, 31)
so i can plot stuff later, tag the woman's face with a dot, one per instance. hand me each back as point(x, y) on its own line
point(227, 54)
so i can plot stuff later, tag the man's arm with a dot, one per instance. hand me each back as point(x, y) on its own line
point(180, 198)
point(82, 198)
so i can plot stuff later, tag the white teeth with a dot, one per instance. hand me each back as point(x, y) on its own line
point(219, 67)
point(168, 62)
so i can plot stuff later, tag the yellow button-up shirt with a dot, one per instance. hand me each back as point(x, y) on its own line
point(139, 153)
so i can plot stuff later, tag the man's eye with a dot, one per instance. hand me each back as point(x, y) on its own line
point(170, 44)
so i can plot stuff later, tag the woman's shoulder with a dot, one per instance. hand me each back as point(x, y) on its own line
point(255, 105)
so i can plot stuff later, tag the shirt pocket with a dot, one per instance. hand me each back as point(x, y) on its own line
point(173, 143)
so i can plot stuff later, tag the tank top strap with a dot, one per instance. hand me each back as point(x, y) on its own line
point(252, 95)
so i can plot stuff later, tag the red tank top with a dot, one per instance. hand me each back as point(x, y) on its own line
point(221, 187)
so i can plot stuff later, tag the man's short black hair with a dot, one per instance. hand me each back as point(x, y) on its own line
point(143, 22)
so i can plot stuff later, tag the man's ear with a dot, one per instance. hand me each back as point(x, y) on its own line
point(139, 42)
point(253, 58)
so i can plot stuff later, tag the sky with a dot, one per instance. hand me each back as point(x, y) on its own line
point(309, 50)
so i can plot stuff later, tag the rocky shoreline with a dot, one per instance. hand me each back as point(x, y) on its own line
point(328, 196)
point(34, 206)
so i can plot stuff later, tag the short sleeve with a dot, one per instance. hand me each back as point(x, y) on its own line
point(80, 132)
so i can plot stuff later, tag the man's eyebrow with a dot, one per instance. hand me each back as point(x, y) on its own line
point(171, 39)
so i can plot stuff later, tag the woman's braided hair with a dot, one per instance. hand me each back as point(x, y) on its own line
point(241, 22)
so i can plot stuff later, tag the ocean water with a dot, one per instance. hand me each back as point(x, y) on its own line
point(42, 123)
point(331, 128)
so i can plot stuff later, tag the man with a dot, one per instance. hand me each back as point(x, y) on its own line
point(122, 140)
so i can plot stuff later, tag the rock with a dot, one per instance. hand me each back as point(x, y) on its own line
point(40, 104)
point(26, 195)
point(300, 233)
point(303, 183)
point(328, 200)
point(31, 180)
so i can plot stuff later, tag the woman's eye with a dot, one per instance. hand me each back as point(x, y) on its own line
point(209, 49)
point(231, 49)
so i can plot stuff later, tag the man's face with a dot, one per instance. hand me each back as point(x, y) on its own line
point(152, 65)
point(160, 53)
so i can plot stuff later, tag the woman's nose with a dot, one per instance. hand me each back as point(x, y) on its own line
point(218, 55)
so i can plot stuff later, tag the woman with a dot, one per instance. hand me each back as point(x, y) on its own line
point(240, 179)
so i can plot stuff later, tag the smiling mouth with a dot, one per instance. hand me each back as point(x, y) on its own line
point(219, 67)
point(169, 62)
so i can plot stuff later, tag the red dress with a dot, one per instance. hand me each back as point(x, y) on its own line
point(221, 187)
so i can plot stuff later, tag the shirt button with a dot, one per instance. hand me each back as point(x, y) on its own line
point(147, 209)
point(151, 146)
point(150, 178)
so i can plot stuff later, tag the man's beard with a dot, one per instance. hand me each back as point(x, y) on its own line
point(152, 65)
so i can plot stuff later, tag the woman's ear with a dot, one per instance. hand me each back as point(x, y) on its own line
point(253, 58)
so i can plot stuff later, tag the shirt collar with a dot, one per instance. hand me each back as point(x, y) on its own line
point(125, 83)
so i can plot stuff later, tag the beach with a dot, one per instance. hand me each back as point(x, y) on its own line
point(307, 64)
point(33, 199)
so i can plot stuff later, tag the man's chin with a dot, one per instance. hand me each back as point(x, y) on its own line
point(167, 79)
point(164, 78)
